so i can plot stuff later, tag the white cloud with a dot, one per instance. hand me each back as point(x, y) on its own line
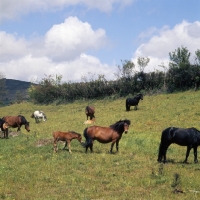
point(166, 40)
point(63, 50)
point(32, 68)
point(10, 9)
point(69, 39)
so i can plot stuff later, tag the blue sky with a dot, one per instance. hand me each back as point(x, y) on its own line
point(81, 39)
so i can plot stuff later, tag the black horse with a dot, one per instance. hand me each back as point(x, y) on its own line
point(133, 101)
point(189, 137)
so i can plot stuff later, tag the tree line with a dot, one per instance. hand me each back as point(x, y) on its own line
point(181, 74)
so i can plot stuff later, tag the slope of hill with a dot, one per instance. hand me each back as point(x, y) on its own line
point(15, 90)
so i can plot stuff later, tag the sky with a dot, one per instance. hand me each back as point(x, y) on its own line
point(82, 39)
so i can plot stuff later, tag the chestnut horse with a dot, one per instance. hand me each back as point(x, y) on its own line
point(4, 126)
point(67, 137)
point(16, 122)
point(111, 134)
point(89, 111)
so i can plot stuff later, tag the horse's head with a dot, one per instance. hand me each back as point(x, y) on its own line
point(32, 116)
point(27, 126)
point(79, 138)
point(140, 96)
point(126, 125)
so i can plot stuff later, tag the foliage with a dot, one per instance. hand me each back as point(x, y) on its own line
point(29, 169)
point(181, 76)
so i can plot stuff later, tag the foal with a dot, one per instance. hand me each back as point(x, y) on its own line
point(67, 137)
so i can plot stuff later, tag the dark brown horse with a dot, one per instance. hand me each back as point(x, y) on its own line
point(89, 111)
point(4, 126)
point(67, 137)
point(16, 122)
point(105, 134)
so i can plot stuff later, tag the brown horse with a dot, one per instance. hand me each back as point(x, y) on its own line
point(16, 122)
point(67, 137)
point(89, 111)
point(105, 134)
point(4, 126)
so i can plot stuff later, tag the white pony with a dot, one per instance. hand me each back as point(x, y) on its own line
point(38, 114)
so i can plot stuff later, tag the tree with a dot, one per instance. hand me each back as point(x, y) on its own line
point(197, 58)
point(180, 57)
point(126, 71)
point(142, 63)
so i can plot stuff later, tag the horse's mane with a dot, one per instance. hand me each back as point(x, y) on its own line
point(75, 133)
point(23, 118)
point(116, 125)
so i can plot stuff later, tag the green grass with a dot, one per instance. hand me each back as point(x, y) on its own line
point(29, 169)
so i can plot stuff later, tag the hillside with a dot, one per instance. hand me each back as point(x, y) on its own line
point(15, 89)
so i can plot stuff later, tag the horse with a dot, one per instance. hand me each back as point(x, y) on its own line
point(89, 111)
point(38, 114)
point(133, 101)
point(67, 137)
point(112, 134)
point(4, 126)
point(189, 137)
point(16, 122)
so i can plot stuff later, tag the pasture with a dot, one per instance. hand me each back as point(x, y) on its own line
point(29, 168)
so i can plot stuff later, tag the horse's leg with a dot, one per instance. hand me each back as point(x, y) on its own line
point(55, 145)
point(111, 147)
point(187, 153)
point(65, 145)
point(117, 145)
point(68, 144)
point(195, 154)
point(91, 147)
point(6, 133)
point(163, 152)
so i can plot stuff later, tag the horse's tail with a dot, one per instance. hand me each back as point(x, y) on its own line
point(88, 140)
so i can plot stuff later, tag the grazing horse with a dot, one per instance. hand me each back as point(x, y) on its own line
point(67, 137)
point(89, 111)
point(4, 126)
point(189, 137)
point(133, 101)
point(38, 114)
point(105, 134)
point(17, 122)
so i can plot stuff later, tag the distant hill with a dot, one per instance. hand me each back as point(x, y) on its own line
point(15, 90)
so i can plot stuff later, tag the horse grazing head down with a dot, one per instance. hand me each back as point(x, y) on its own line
point(67, 137)
point(89, 111)
point(17, 122)
point(133, 101)
point(38, 114)
point(189, 137)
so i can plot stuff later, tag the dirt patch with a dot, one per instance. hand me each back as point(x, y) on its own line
point(44, 142)
point(10, 134)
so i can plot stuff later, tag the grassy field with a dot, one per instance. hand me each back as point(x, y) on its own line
point(29, 169)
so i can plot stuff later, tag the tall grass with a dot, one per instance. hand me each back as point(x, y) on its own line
point(29, 169)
